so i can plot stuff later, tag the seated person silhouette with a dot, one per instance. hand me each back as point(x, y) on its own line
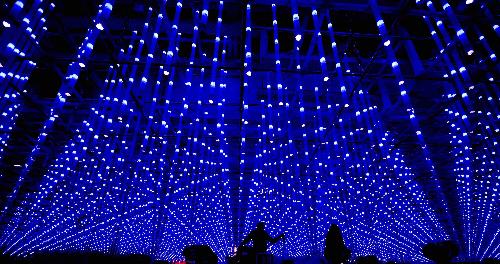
point(335, 250)
point(260, 238)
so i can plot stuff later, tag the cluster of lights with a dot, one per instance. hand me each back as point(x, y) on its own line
point(471, 118)
point(404, 95)
point(303, 199)
point(98, 164)
point(477, 175)
point(154, 176)
point(16, 71)
point(64, 92)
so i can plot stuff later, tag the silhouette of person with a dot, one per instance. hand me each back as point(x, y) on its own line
point(441, 252)
point(335, 250)
point(260, 238)
point(371, 259)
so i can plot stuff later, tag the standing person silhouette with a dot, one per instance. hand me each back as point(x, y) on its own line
point(335, 250)
point(260, 238)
